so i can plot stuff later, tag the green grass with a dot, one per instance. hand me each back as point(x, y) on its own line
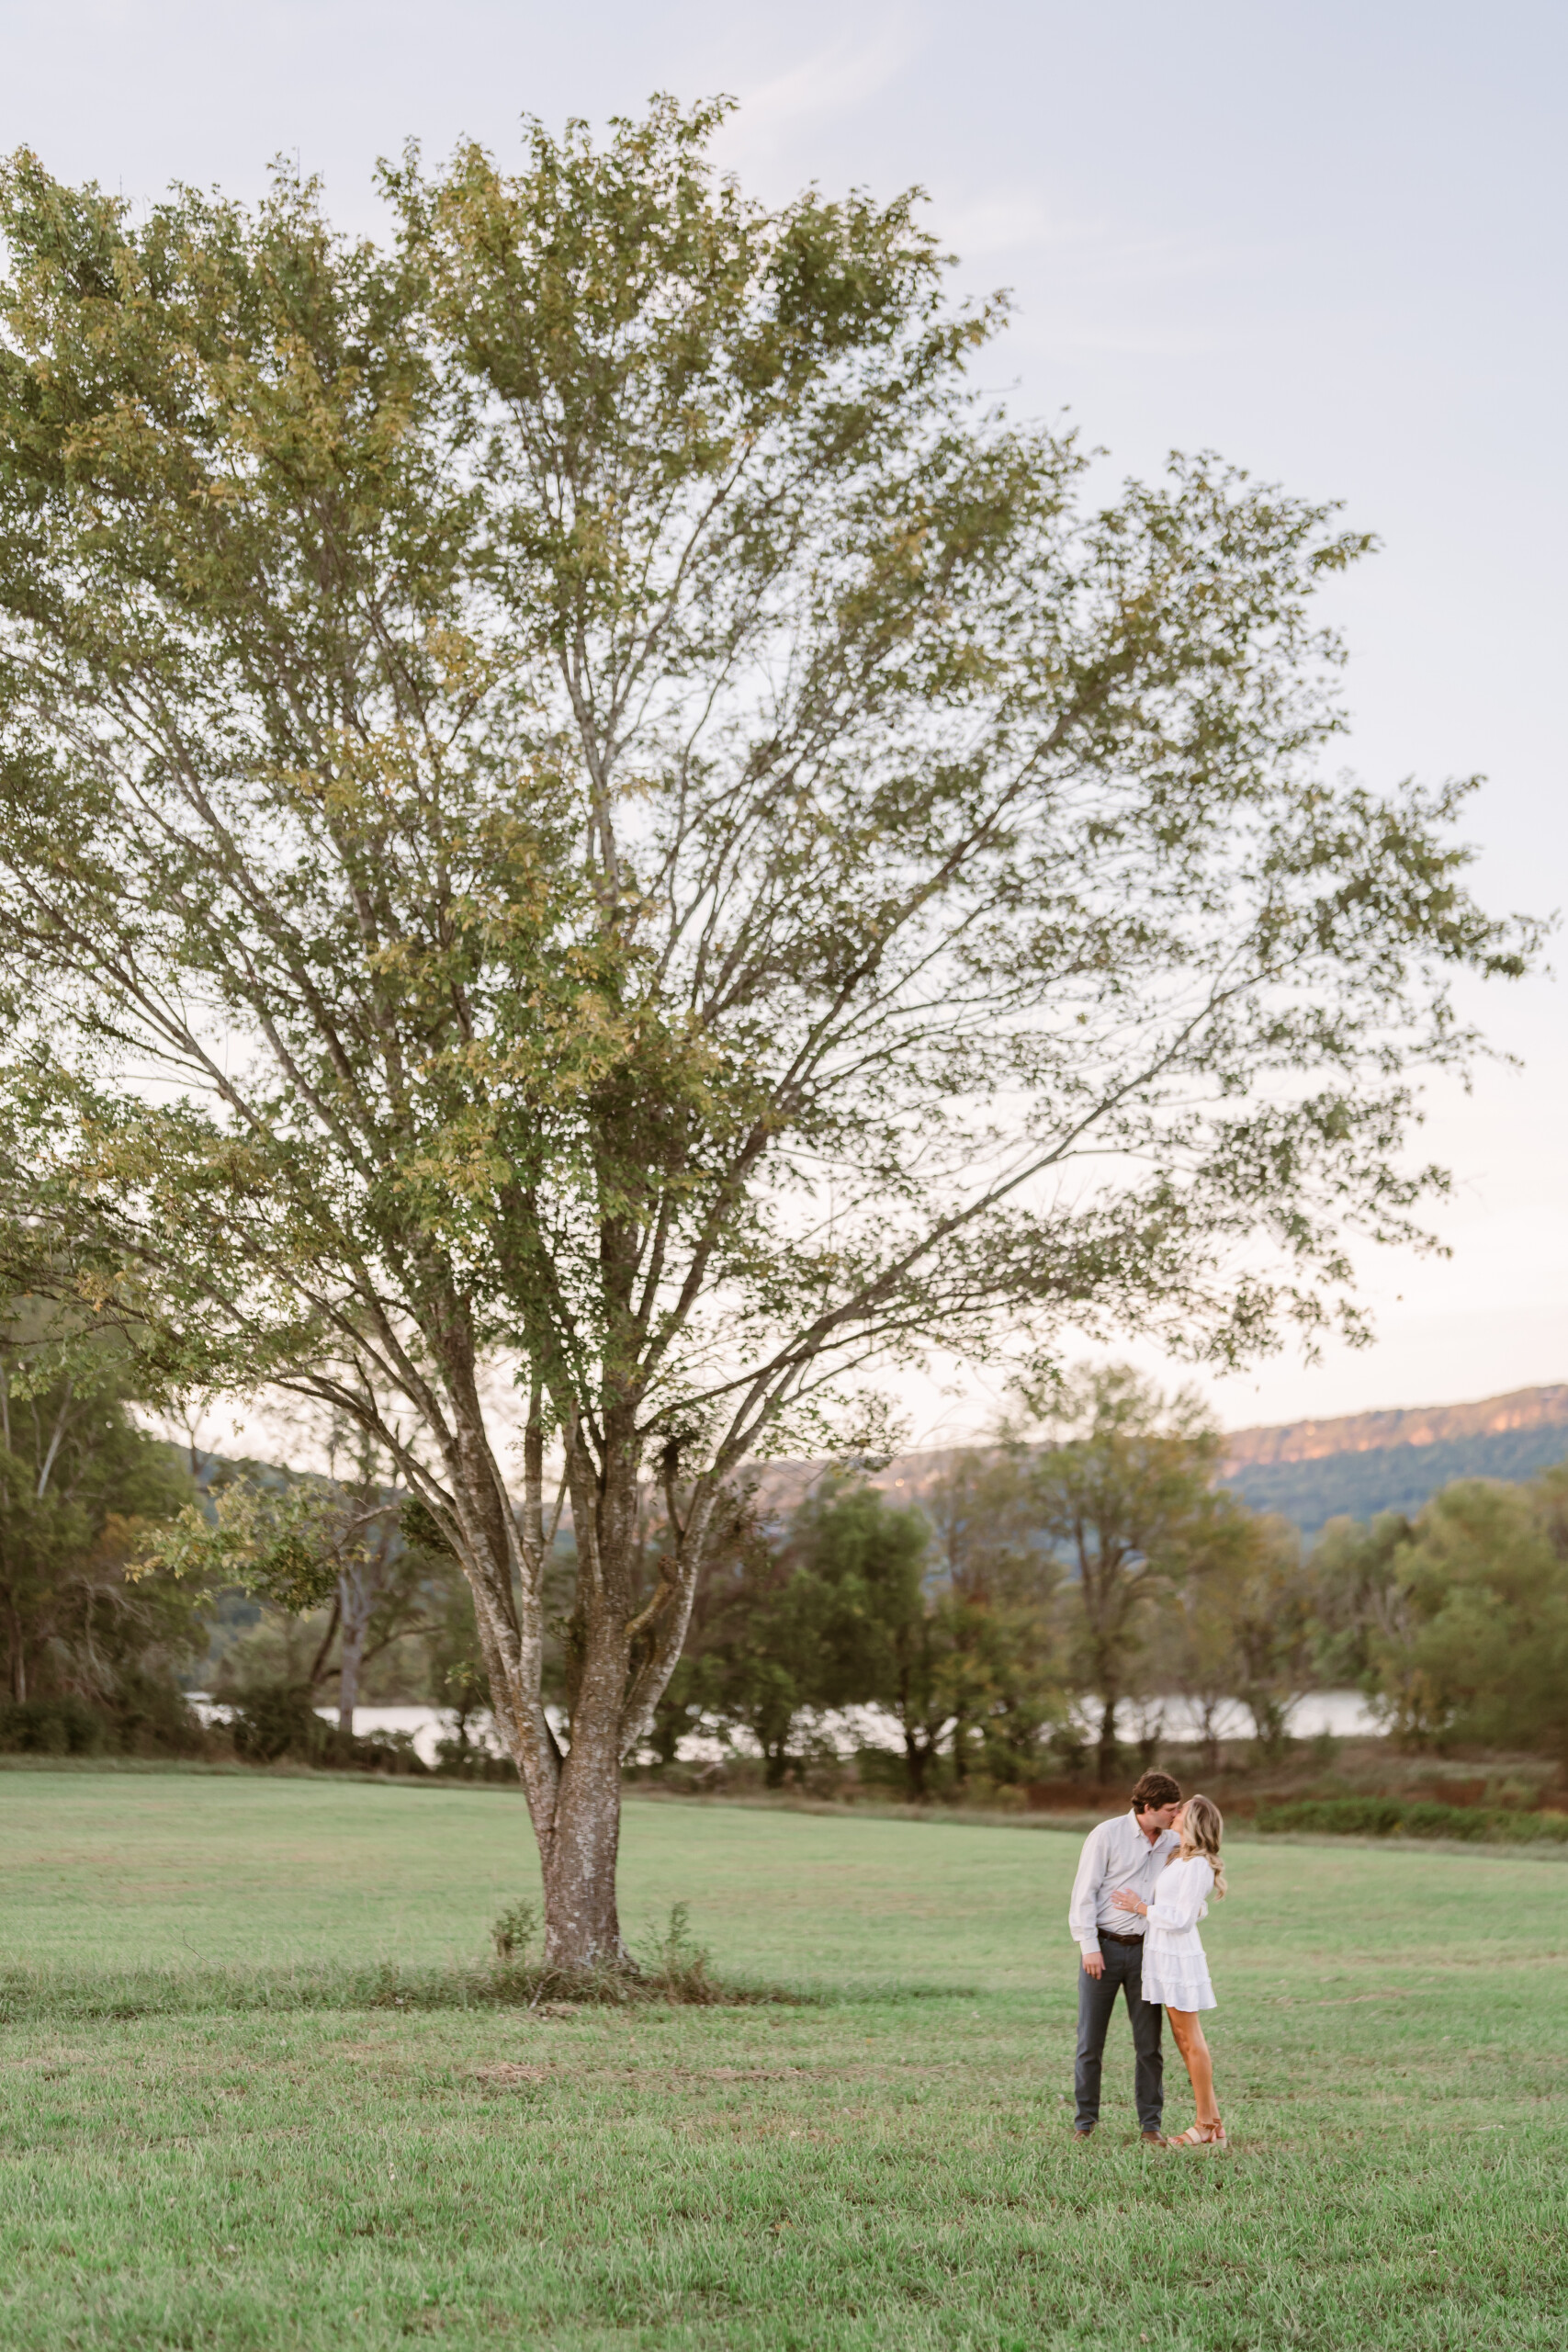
point(874, 2170)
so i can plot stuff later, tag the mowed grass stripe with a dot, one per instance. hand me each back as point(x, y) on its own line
point(874, 2171)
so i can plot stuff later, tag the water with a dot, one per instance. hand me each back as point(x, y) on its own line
point(1343, 1714)
point(429, 1725)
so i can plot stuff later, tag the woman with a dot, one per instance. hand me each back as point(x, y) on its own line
point(1175, 1969)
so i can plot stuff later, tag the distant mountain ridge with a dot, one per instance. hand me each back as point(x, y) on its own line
point(1522, 1409)
point(1310, 1472)
point(1362, 1463)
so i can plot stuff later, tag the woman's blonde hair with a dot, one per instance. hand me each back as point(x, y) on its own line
point(1202, 1827)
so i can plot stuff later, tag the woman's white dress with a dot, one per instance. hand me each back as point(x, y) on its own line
point(1175, 1971)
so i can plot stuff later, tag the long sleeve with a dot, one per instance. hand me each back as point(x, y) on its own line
point(1083, 1911)
point(1180, 1897)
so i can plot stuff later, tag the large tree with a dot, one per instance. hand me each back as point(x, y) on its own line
point(576, 796)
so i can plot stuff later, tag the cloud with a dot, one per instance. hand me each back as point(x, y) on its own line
point(1004, 221)
point(832, 79)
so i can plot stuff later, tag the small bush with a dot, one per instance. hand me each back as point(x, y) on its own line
point(1387, 1817)
point(465, 1760)
point(679, 1967)
point(882, 1768)
point(153, 1717)
point(382, 1751)
point(63, 1727)
point(272, 1720)
point(514, 1931)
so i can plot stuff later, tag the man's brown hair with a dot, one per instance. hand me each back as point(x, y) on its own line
point(1154, 1790)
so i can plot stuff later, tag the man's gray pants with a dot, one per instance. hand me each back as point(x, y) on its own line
point(1097, 1999)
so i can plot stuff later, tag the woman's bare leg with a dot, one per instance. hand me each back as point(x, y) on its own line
point(1186, 2024)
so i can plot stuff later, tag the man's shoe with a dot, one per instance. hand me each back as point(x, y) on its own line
point(1154, 2139)
point(1083, 2130)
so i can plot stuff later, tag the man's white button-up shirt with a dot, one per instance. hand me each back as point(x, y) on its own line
point(1115, 1854)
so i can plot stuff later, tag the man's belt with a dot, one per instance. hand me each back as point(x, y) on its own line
point(1108, 1936)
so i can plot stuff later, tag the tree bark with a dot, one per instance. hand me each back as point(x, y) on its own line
point(351, 1657)
point(582, 1928)
point(1108, 1705)
point(581, 1920)
point(18, 1655)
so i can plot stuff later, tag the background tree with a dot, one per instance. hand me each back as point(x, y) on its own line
point(803, 1619)
point(755, 1659)
point(1273, 1628)
point(1460, 1616)
point(457, 1679)
point(1003, 1575)
point(80, 1486)
point(335, 1567)
point(383, 1593)
point(1365, 1618)
point(644, 829)
point(1124, 1491)
point(886, 1641)
point(1195, 1648)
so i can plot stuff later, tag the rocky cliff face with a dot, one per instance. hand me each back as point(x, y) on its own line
point(1524, 1408)
point(1415, 1452)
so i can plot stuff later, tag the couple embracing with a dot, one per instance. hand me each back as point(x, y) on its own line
point(1144, 1884)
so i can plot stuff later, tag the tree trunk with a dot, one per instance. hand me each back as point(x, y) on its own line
point(582, 1926)
point(915, 1762)
point(18, 1655)
point(630, 1646)
point(355, 1600)
point(352, 1659)
point(1107, 1737)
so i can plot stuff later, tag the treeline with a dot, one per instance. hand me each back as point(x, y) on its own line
point(1036, 1608)
point(1025, 1618)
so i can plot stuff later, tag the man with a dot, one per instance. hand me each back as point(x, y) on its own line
point(1128, 1851)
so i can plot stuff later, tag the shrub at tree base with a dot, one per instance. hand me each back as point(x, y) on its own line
point(673, 1968)
point(1386, 1817)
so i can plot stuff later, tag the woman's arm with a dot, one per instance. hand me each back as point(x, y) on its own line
point(1179, 1899)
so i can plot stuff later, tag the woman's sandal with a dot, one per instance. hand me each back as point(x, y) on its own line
point(1201, 2135)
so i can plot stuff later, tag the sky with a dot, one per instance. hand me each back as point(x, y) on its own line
point(1327, 242)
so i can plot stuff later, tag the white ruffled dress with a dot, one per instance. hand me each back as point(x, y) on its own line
point(1175, 1973)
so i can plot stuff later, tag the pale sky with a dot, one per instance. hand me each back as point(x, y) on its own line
point(1327, 242)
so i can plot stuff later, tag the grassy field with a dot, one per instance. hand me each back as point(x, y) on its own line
point(891, 2166)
